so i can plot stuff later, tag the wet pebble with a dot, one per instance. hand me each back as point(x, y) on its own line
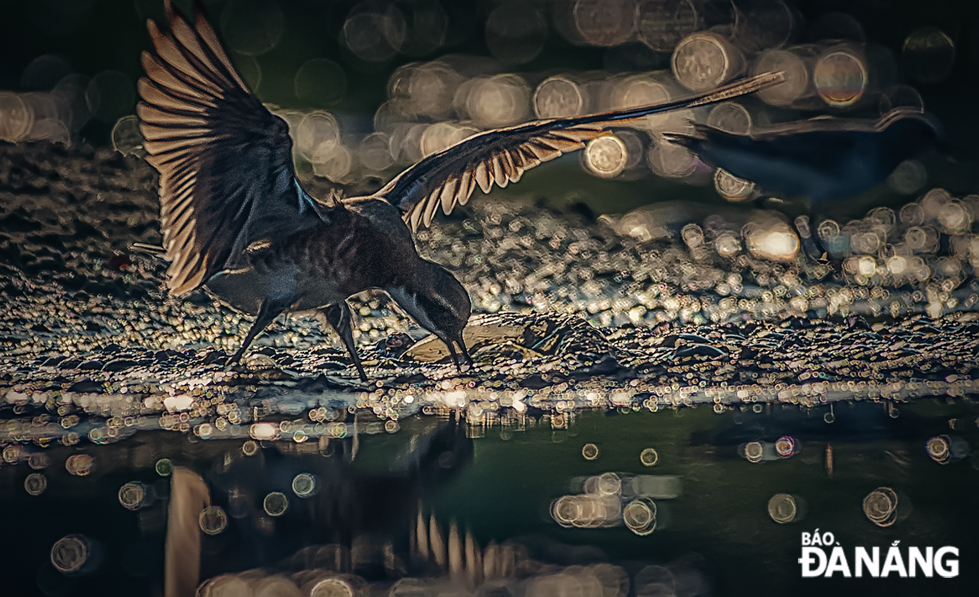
point(119, 365)
point(705, 350)
point(394, 345)
point(215, 357)
point(85, 386)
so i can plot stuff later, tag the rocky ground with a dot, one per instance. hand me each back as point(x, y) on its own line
point(572, 311)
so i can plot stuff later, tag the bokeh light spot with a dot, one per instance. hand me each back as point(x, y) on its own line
point(304, 485)
point(126, 137)
point(840, 78)
point(79, 465)
point(928, 55)
point(317, 135)
point(880, 506)
point(639, 516)
point(908, 178)
point(375, 151)
point(44, 72)
point(249, 448)
point(605, 22)
point(335, 165)
point(252, 27)
point(589, 452)
point(705, 60)
point(275, 503)
point(35, 484)
point(212, 520)
point(110, 95)
point(69, 554)
point(515, 32)
point(163, 467)
point(731, 187)
point(901, 96)
point(498, 101)
point(663, 23)
point(16, 118)
point(606, 156)
point(320, 82)
point(783, 508)
point(642, 90)
point(671, 160)
point(374, 36)
point(649, 457)
point(796, 77)
point(558, 97)
point(334, 587)
point(132, 496)
point(730, 117)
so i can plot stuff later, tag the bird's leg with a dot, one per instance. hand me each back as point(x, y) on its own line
point(451, 345)
point(452, 352)
point(465, 351)
point(809, 237)
point(338, 316)
point(267, 313)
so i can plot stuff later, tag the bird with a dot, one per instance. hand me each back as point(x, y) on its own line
point(818, 159)
point(821, 159)
point(236, 220)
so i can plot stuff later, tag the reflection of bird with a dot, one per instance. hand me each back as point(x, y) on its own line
point(817, 159)
point(235, 218)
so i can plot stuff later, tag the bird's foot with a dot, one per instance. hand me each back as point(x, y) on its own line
point(233, 363)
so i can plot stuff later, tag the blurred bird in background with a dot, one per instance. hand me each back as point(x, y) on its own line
point(820, 160)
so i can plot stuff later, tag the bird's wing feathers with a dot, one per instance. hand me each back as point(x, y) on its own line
point(820, 144)
point(448, 178)
point(225, 161)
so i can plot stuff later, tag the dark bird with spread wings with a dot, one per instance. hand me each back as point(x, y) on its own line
point(236, 220)
point(819, 159)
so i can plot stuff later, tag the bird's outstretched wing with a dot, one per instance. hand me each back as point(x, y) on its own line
point(449, 177)
point(225, 161)
point(820, 148)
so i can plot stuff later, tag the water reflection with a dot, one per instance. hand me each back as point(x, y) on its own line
point(450, 505)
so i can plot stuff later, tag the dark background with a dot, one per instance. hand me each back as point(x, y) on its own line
point(97, 35)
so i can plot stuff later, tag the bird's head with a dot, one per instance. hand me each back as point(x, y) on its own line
point(436, 296)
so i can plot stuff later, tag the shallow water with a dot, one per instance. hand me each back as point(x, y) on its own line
point(550, 498)
point(595, 340)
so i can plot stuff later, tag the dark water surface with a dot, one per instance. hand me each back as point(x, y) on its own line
point(557, 501)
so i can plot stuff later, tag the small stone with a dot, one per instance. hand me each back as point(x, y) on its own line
point(119, 365)
point(85, 386)
point(216, 356)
